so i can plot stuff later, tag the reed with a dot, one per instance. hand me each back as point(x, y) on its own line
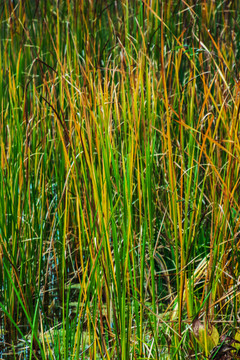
point(119, 178)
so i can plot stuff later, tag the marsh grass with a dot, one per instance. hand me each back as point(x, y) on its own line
point(119, 180)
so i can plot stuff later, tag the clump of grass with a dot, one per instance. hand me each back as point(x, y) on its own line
point(119, 177)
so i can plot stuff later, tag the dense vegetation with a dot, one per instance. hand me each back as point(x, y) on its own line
point(119, 179)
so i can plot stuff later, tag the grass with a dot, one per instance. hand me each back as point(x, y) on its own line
point(119, 179)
